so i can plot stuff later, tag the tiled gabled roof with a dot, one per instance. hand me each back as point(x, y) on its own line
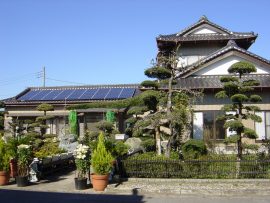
point(213, 81)
point(224, 34)
point(231, 46)
point(204, 37)
point(74, 94)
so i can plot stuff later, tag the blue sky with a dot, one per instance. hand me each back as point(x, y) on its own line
point(105, 41)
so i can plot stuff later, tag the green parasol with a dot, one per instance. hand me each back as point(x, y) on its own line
point(72, 118)
point(110, 116)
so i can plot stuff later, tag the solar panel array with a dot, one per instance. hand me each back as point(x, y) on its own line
point(78, 94)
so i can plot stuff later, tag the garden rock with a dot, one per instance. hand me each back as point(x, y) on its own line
point(134, 143)
point(68, 142)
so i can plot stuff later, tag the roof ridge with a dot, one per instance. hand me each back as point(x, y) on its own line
point(85, 86)
point(203, 20)
point(214, 76)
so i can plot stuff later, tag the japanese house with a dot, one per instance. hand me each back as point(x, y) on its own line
point(206, 52)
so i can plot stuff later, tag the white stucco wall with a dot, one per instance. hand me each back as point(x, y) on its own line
point(204, 31)
point(221, 67)
point(189, 55)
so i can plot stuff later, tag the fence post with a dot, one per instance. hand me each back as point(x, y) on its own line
point(136, 167)
point(166, 166)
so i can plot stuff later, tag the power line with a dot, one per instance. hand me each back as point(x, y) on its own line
point(38, 75)
point(13, 82)
point(77, 83)
point(18, 77)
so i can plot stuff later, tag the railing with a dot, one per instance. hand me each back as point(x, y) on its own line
point(227, 168)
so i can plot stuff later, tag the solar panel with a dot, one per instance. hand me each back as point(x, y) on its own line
point(63, 95)
point(52, 95)
point(127, 93)
point(88, 94)
point(106, 93)
point(40, 95)
point(76, 94)
point(101, 93)
point(29, 94)
point(114, 93)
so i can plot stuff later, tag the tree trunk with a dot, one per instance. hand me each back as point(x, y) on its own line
point(239, 148)
point(169, 116)
point(158, 141)
point(239, 143)
point(239, 133)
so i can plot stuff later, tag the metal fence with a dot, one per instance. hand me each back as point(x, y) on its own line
point(225, 168)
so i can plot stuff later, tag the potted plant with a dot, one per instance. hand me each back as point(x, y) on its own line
point(24, 156)
point(12, 144)
point(4, 163)
point(82, 162)
point(102, 165)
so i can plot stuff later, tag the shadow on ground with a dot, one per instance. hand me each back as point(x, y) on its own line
point(14, 196)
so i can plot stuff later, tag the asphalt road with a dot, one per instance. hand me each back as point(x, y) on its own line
point(17, 196)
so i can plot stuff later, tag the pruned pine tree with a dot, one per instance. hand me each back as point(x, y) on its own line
point(41, 121)
point(45, 107)
point(145, 118)
point(165, 71)
point(239, 90)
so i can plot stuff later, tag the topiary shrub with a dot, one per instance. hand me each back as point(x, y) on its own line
point(150, 84)
point(193, 149)
point(120, 149)
point(105, 126)
point(101, 158)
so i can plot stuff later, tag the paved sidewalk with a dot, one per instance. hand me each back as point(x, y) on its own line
point(217, 187)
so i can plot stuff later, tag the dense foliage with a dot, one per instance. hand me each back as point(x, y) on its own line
point(101, 158)
point(24, 155)
point(149, 165)
point(5, 156)
point(194, 149)
point(45, 107)
point(240, 91)
point(82, 161)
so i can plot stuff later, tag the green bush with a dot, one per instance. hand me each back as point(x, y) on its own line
point(128, 131)
point(150, 84)
point(49, 136)
point(193, 149)
point(48, 149)
point(4, 156)
point(101, 158)
point(149, 165)
point(105, 126)
point(149, 145)
point(120, 149)
point(116, 148)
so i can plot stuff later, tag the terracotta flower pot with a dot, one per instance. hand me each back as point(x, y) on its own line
point(4, 177)
point(13, 168)
point(99, 182)
point(80, 184)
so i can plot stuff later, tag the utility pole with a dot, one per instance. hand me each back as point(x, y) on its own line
point(44, 76)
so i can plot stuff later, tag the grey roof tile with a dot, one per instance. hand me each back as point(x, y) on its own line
point(213, 81)
point(227, 34)
point(232, 46)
